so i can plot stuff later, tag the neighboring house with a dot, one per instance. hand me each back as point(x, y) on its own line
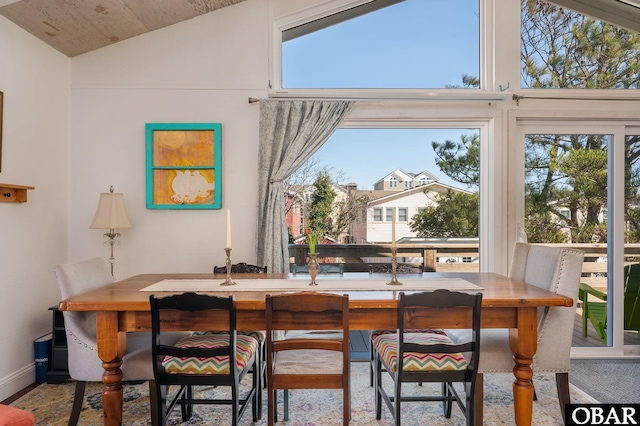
point(406, 204)
point(389, 195)
point(400, 180)
point(294, 207)
point(374, 224)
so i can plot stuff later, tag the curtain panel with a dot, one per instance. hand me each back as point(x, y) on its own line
point(290, 133)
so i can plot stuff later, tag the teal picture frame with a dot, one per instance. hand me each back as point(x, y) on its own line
point(183, 165)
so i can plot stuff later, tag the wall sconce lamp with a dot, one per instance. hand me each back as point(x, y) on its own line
point(111, 214)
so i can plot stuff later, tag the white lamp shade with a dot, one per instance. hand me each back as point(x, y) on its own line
point(111, 213)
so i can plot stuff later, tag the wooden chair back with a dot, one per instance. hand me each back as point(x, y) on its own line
point(308, 311)
point(241, 268)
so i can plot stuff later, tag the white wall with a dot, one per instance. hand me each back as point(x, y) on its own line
point(33, 235)
point(201, 70)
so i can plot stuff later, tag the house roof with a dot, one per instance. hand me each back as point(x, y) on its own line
point(404, 175)
point(389, 196)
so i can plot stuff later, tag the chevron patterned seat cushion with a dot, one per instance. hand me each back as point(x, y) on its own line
point(259, 335)
point(386, 346)
point(246, 347)
point(376, 333)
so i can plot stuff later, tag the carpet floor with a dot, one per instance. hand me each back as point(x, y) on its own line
point(610, 381)
point(51, 404)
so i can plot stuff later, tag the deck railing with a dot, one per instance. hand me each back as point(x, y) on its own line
point(431, 256)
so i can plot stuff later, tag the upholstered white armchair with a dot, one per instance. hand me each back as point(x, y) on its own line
point(552, 268)
point(84, 363)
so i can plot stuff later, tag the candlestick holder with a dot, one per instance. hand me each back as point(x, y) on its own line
point(228, 281)
point(394, 267)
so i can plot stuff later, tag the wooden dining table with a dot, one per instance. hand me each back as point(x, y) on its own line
point(123, 307)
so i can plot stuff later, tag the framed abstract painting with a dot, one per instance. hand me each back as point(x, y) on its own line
point(183, 165)
point(1, 112)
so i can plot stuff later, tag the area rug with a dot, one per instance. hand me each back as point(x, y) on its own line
point(51, 405)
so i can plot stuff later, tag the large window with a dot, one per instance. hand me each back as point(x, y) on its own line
point(447, 207)
point(573, 187)
point(404, 45)
point(567, 50)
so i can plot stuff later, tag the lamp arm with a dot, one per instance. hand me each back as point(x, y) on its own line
point(112, 235)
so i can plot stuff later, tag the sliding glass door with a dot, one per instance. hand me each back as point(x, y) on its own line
point(579, 186)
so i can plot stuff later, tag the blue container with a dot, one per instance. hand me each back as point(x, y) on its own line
point(42, 354)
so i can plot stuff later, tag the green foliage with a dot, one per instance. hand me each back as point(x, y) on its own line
point(321, 204)
point(460, 160)
point(570, 172)
point(564, 49)
point(455, 215)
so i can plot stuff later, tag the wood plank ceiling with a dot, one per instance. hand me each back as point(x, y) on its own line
point(74, 27)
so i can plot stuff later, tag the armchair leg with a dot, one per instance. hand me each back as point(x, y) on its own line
point(479, 400)
point(564, 397)
point(153, 403)
point(78, 399)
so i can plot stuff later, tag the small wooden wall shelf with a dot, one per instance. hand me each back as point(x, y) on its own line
point(13, 193)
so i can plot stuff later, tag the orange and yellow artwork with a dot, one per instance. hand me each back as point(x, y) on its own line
point(183, 168)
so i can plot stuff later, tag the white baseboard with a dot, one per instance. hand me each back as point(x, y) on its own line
point(14, 383)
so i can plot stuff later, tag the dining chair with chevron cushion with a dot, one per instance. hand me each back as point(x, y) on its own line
point(259, 335)
point(373, 334)
point(407, 356)
point(387, 348)
point(400, 269)
point(202, 359)
point(246, 347)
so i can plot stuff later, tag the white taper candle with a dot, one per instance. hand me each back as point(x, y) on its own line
point(228, 228)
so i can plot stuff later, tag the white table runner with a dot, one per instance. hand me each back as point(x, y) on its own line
point(300, 284)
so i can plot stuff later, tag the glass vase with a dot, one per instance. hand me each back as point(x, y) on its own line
point(313, 267)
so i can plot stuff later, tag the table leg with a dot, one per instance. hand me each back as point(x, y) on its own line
point(523, 342)
point(110, 350)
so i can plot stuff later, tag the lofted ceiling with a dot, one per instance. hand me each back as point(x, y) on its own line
point(74, 27)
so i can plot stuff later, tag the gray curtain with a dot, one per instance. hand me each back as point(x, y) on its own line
point(290, 132)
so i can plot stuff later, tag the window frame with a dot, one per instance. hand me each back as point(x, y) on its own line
point(375, 215)
point(299, 15)
point(493, 243)
point(406, 214)
point(389, 213)
point(612, 123)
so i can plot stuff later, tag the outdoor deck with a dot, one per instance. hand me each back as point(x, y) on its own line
point(592, 339)
point(358, 257)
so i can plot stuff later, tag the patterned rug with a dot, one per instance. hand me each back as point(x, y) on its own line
point(51, 404)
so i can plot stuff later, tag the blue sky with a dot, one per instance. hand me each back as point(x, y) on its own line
point(395, 47)
point(412, 44)
point(365, 156)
